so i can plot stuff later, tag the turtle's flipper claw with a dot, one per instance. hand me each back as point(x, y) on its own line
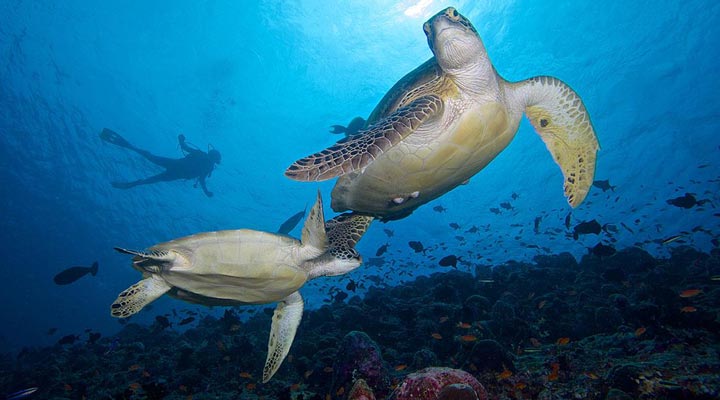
point(137, 296)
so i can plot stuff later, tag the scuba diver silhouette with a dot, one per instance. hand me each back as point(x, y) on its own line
point(196, 164)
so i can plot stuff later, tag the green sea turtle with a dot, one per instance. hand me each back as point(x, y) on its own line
point(244, 266)
point(445, 121)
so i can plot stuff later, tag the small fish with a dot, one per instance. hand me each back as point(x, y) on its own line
point(340, 296)
point(563, 341)
point(463, 325)
point(439, 209)
point(351, 286)
point(568, 218)
point(602, 250)
point(436, 336)
point(72, 274)
point(690, 293)
point(639, 331)
point(67, 339)
point(94, 337)
point(507, 206)
point(417, 246)
point(495, 210)
point(246, 375)
point(604, 185)
point(468, 338)
point(291, 222)
point(355, 125)
point(587, 227)
point(251, 386)
point(506, 373)
point(627, 227)
point(51, 331)
point(688, 309)
point(454, 225)
point(449, 261)
point(515, 196)
point(163, 321)
point(536, 227)
point(686, 201)
point(186, 321)
point(671, 239)
point(389, 232)
point(400, 367)
point(382, 249)
point(21, 394)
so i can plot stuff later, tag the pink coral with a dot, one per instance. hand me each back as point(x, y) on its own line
point(426, 384)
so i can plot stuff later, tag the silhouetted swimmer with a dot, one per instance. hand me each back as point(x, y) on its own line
point(196, 164)
point(353, 127)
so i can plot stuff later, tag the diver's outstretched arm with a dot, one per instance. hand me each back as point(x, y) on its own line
point(204, 188)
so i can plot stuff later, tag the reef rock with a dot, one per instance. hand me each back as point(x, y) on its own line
point(431, 384)
point(359, 357)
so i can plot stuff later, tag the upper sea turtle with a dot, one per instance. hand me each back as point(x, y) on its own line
point(247, 267)
point(445, 121)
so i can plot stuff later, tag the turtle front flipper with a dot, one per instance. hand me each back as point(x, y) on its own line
point(285, 321)
point(355, 152)
point(560, 118)
point(137, 296)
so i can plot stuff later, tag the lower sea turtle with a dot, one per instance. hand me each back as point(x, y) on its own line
point(445, 121)
point(247, 267)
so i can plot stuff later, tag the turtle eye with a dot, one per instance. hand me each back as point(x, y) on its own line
point(452, 14)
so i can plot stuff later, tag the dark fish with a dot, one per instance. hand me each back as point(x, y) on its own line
point(51, 331)
point(162, 321)
point(94, 337)
point(536, 229)
point(291, 222)
point(454, 225)
point(506, 206)
point(186, 321)
point(687, 201)
point(352, 128)
point(515, 196)
point(381, 250)
point(417, 246)
point(449, 261)
point(439, 209)
point(627, 227)
point(602, 250)
point(473, 229)
point(68, 339)
point(389, 233)
point(340, 296)
point(351, 286)
point(495, 210)
point(587, 227)
point(21, 394)
point(374, 262)
point(72, 274)
point(604, 185)
point(567, 220)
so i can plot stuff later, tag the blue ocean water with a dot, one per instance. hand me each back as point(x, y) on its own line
point(263, 81)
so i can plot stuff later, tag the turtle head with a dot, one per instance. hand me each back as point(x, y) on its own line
point(453, 40)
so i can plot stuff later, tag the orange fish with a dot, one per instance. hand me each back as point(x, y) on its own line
point(464, 325)
point(687, 309)
point(436, 336)
point(250, 386)
point(505, 374)
point(468, 338)
point(134, 386)
point(690, 293)
point(591, 375)
point(563, 341)
point(134, 367)
point(295, 387)
point(246, 375)
point(400, 367)
point(639, 331)
point(554, 374)
point(520, 386)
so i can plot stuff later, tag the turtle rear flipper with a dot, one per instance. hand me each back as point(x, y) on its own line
point(137, 296)
point(560, 118)
point(285, 321)
point(355, 152)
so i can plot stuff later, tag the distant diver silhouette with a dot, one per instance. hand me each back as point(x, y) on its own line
point(196, 164)
point(352, 128)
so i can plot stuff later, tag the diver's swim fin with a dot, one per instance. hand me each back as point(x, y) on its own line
point(114, 138)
